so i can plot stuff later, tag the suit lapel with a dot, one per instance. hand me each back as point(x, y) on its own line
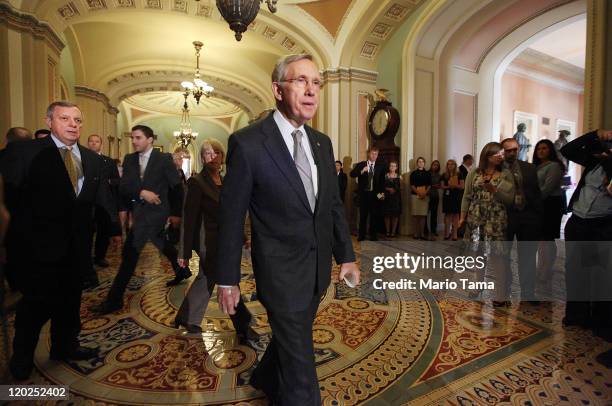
point(59, 162)
point(315, 147)
point(276, 147)
point(87, 165)
point(152, 159)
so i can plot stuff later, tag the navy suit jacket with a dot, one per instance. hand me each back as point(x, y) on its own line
point(160, 177)
point(292, 247)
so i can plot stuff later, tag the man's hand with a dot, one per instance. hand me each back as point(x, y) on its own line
point(150, 197)
point(351, 272)
point(182, 262)
point(175, 221)
point(365, 169)
point(123, 218)
point(604, 135)
point(228, 299)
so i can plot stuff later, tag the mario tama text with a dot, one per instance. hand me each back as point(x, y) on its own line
point(430, 272)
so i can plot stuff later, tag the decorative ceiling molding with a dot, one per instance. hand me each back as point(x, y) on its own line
point(541, 60)
point(96, 95)
point(72, 11)
point(546, 78)
point(350, 74)
point(27, 23)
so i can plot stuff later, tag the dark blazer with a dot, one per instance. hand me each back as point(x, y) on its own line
point(292, 247)
point(44, 208)
point(581, 151)
point(201, 205)
point(464, 171)
point(113, 176)
point(378, 184)
point(160, 177)
point(531, 187)
point(342, 181)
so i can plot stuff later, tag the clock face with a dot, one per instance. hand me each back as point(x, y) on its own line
point(380, 121)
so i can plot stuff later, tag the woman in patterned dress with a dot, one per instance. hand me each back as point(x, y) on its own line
point(488, 191)
point(392, 205)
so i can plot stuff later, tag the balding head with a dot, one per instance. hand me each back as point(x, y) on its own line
point(18, 134)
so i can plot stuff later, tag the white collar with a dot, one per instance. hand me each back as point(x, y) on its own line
point(60, 144)
point(146, 154)
point(285, 127)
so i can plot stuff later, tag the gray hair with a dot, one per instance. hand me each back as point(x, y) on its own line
point(60, 103)
point(280, 69)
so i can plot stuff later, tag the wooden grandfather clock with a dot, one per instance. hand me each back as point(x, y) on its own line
point(383, 124)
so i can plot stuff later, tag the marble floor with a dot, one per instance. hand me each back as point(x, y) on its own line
point(373, 347)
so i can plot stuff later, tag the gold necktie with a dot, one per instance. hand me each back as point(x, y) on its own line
point(70, 168)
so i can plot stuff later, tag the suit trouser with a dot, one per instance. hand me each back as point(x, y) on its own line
point(56, 295)
point(103, 233)
point(196, 301)
point(287, 371)
point(129, 260)
point(368, 208)
point(588, 271)
point(525, 227)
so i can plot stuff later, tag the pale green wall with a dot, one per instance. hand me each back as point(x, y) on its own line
point(66, 70)
point(390, 65)
point(164, 128)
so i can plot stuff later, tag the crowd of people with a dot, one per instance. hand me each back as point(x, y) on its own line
point(68, 203)
point(59, 194)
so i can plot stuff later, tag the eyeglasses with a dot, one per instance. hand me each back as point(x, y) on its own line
point(302, 82)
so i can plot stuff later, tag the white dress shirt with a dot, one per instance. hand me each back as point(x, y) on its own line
point(143, 160)
point(286, 129)
point(76, 156)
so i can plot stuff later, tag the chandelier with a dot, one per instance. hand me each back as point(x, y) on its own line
point(240, 13)
point(185, 135)
point(198, 87)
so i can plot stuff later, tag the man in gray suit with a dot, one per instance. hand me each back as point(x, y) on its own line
point(151, 184)
point(283, 172)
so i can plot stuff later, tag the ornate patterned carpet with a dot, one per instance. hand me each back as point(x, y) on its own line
point(372, 347)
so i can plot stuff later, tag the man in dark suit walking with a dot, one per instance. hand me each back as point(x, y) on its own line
point(94, 142)
point(283, 172)
point(51, 187)
point(152, 185)
point(342, 180)
point(523, 217)
point(370, 184)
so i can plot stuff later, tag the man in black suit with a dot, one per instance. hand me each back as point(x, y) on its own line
point(51, 187)
point(370, 176)
point(152, 185)
point(523, 217)
point(94, 142)
point(283, 172)
point(342, 180)
point(466, 165)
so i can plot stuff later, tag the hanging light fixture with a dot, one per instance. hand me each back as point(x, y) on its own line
point(240, 13)
point(185, 135)
point(198, 87)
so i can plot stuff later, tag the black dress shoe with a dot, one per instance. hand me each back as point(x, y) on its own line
point(78, 354)
point(181, 275)
point(106, 308)
point(605, 359)
point(102, 263)
point(246, 334)
point(20, 369)
point(191, 328)
point(90, 284)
